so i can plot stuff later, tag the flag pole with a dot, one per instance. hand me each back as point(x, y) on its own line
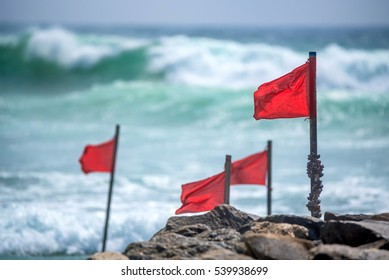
point(227, 179)
point(269, 176)
point(117, 130)
point(314, 166)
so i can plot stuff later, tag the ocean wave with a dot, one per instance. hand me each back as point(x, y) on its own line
point(45, 54)
point(55, 213)
point(70, 50)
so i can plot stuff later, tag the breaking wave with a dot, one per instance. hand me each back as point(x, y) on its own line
point(59, 56)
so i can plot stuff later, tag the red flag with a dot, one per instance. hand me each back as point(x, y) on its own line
point(202, 195)
point(98, 158)
point(250, 170)
point(285, 97)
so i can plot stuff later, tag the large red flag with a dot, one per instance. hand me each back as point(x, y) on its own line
point(285, 97)
point(202, 195)
point(250, 170)
point(98, 158)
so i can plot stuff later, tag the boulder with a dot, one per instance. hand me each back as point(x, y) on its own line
point(312, 224)
point(227, 233)
point(328, 216)
point(279, 228)
point(267, 246)
point(354, 233)
point(222, 216)
point(169, 246)
point(223, 254)
point(344, 252)
point(108, 256)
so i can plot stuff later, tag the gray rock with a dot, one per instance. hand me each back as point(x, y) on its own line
point(191, 230)
point(227, 238)
point(227, 233)
point(223, 254)
point(328, 216)
point(222, 216)
point(344, 252)
point(380, 244)
point(168, 246)
point(267, 246)
point(312, 224)
point(108, 256)
point(279, 228)
point(354, 233)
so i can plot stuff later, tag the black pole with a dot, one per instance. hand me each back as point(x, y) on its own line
point(110, 186)
point(227, 179)
point(312, 108)
point(314, 166)
point(269, 174)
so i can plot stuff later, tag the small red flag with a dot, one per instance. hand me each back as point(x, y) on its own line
point(98, 158)
point(285, 97)
point(250, 170)
point(202, 195)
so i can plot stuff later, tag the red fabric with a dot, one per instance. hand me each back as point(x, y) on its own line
point(285, 97)
point(203, 195)
point(250, 170)
point(98, 158)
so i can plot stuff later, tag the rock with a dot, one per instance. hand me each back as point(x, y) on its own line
point(267, 246)
point(191, 230)
point(222, 216)
point(344, 252)
point(223, 254)
point(312, 224)
point(227, 238)
point(168, 246)
point(227, 233)
point(354, 233)
point(356, 217)
point(196, 237)
point(380, 244)
point(108, 256)
point(279, 228)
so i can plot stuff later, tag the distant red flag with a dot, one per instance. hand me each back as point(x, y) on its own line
point(202, 195)
point(285, 97)
point(250, 170)
point(98, 158)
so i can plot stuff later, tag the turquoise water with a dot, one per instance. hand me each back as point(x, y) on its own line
point(184, 99)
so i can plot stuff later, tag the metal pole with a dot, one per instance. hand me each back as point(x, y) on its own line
point(314, 166)
point(269, 176)
point(227, 178)
point(110, 187)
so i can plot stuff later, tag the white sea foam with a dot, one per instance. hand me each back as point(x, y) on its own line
point(64, 214)
point(69, 50)
point(355, 194)
point(212, 62)
point(220, 63)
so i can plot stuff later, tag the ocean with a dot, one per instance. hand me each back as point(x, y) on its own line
point(183, 98)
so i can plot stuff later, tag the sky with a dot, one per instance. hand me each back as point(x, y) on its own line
point(305, 13)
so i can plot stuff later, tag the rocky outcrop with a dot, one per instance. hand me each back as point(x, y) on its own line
point(268, 246)
point(354, 233)
point(108, 256)
point(359, 217)
point(227, 233)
